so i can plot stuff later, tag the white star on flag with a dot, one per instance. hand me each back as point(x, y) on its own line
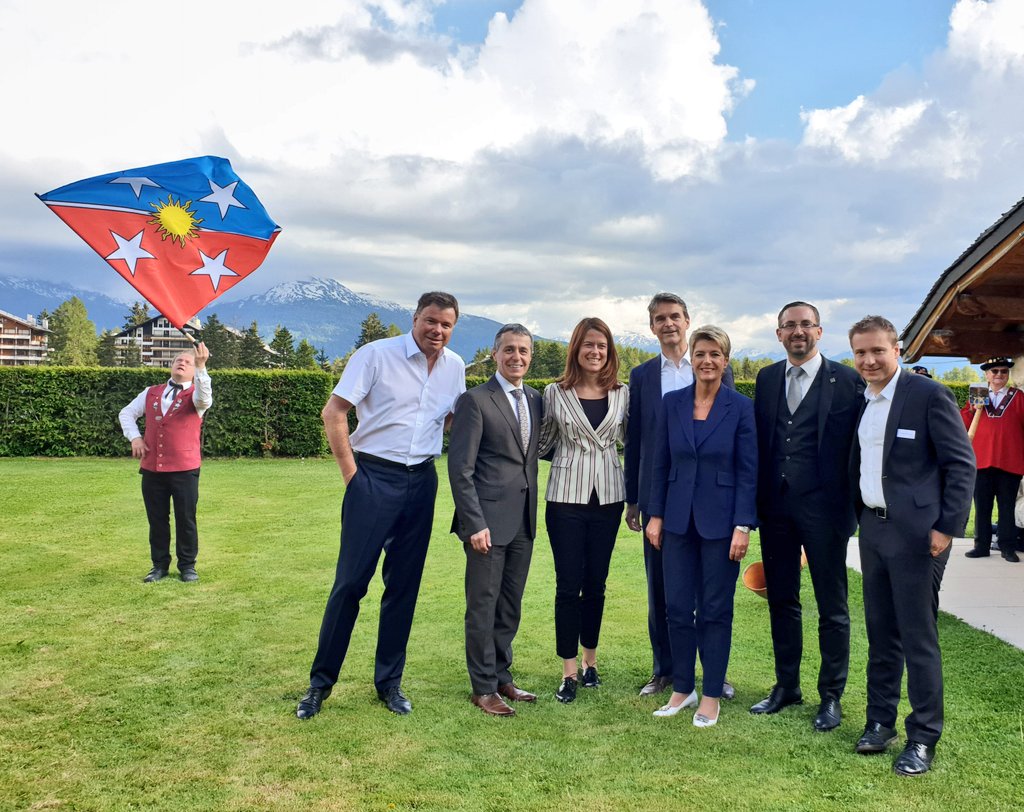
point(214, 268)
point(223, 196)
point(136, 184)
point(131, 251)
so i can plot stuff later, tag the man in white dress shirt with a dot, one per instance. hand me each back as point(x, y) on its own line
point(169, 457)
point(403, 390)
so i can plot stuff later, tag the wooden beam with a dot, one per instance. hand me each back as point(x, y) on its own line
point(1003, 308)
point(977, 345)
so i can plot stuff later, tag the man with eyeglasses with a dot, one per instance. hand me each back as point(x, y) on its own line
point(806, 409)
point(996, 425)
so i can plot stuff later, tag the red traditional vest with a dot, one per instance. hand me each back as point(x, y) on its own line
point(172, 438)
point(999, 442)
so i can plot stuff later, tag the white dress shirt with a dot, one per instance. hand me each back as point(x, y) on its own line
point(401, 407)
point(995, 398)
point(675, 377)
point(202, 398)
point(810, 367)
point(508, 388)
point(871, 436)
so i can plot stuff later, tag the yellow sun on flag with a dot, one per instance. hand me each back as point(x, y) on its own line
point(175, 219)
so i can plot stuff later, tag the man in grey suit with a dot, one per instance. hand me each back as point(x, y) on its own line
point(492, 465)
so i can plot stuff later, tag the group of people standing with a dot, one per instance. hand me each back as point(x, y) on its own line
point(820, 450)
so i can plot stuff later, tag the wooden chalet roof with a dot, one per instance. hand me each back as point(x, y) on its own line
point(976, 308)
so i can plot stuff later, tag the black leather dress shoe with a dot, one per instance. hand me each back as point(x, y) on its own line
point(876, 738)
point(778, 699)
point(830, 714)
point(916, 759)
point(655, 685)
point(1011, 556)
point(567, 690)
point(396, 701)
point(189, 574)
point(977, 553)
point(728, 692)
point(309, 705)
point(154, 575)
point(590, 677)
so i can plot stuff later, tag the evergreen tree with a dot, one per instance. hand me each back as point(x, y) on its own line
point(106, 352)
point(139, 315)
point(305, 356)
point(251, 354)
point(393, 330)
point(548, 359)
point(284, 345)
point(222, 343)
point(73, 336)
point(371, 329)
point(483, 364)
point(322, 360)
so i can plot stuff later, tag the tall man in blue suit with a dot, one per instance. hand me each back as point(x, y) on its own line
point(914, 470)
point(806, 409)
point(648, 384)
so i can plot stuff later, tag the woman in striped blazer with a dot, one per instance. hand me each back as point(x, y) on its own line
point(584, 418)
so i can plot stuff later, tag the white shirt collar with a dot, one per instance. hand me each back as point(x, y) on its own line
point(668, 362)
point(184, 386)
point(411, 348)
point(810, 366)
point(507, 387)
point(887, 392)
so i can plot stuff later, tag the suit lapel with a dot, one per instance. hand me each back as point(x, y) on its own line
point(686, 415)
point(535, 419)
point(575, 408)
point(773, 394)
point(899, 400)
point(828, 381)
point(719, 409)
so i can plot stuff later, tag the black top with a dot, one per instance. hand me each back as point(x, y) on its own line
point(596, 410)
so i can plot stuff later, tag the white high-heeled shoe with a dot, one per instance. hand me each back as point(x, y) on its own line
point(700, 720)
point(672, 710)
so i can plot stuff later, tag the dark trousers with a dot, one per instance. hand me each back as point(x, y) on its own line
point(657, 611)
point(389, 510)
point(494, 601)
point(698, 567)
point(582, 539)
point(804, 521)
point(998, 486)
point(901, 607)
point(158, 492)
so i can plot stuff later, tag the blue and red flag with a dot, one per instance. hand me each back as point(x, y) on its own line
point(180, 233)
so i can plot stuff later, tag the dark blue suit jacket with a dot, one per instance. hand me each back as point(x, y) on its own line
point(714, 479)
point(840, 400)
point(644, 411)
point(928, 464)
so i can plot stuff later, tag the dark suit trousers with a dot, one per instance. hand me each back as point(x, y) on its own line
point(901, 607)
point(389, 510)
point(804, 520)
point(657, 611)
point(999, 486)
point(582, 539)
point(696, 567)
point(158, 491)
point(494, 602)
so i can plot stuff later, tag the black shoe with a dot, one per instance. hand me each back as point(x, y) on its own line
point(916, 759)
point(655, 685)
point(154, 575)
point(977, 552)
point(728, 692)
point(567, 690)
point(396, 701)
point(309, 705)
point(189, 574)
point(876, 738)
point(778, 699)
point(1011, 556)
point(590, 677)
point(830, 714)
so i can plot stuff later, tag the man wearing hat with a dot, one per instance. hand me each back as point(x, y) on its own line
point(920, 370)
point(996, 427)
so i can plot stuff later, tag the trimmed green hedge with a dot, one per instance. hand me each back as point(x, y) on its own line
point(72, 411)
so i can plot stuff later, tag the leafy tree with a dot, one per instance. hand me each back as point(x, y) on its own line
point(371, 329)
point(393, 330)
point(548, 359)
point(629, 358)
point(139, 315)
point(73, 338)
point(483, 364)
point(284, 345)
point(305, 356)
point(745, 368)
point(222, 343)
point(251, 354)
point(961, 375)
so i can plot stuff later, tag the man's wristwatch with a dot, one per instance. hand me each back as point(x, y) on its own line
point(743, 528)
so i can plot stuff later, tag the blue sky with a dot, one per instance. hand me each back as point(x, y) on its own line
point(547, 159)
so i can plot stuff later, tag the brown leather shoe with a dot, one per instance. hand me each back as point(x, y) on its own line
point(492, 704)
point(512, 691)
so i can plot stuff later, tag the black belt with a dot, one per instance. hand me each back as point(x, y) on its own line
point(362, 457)
point(881, 513)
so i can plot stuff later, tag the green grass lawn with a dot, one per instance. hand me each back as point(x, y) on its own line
point(116, 694)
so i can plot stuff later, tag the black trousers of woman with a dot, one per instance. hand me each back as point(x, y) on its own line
point(999, 486)
point(582, 539)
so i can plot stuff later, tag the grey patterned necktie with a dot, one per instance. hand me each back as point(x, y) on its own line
point(524, 424)
point(795, 393)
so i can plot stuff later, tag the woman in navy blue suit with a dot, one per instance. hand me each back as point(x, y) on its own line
point(702, 507)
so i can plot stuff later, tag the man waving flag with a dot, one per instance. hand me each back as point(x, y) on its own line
point(180, 233)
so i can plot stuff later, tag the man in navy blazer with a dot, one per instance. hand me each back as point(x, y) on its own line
point(915, 470)
point(806, 408)
point(648, 384)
